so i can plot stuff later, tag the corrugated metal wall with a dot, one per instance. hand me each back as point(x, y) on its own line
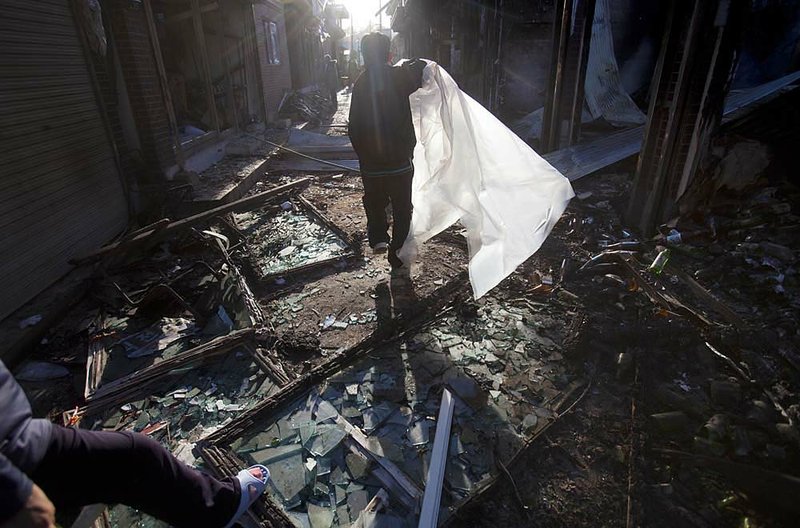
point(60, 192)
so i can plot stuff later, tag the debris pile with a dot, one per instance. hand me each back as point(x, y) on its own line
point(705, 314)
point(309, 106)
point(182, 407)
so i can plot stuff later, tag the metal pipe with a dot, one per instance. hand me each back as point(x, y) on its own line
point(312, 158)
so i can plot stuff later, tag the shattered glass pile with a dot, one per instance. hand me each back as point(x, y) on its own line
point(290, 308)
point(493, 361)
point(184, 407)
point(192, 402)
point(287, 240)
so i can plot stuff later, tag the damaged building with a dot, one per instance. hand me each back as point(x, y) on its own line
point(184, 256)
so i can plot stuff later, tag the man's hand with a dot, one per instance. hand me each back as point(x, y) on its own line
point(38, 512)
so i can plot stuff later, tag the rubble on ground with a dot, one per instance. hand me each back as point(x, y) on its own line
point(641, 378)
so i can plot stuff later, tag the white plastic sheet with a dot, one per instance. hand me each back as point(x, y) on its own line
point(470, 167)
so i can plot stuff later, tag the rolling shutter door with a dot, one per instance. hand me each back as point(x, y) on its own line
point(60, 191)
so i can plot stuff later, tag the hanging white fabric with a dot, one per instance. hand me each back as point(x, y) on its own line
point(469, 167)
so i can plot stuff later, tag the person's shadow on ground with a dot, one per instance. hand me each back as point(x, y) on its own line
point(394, 299)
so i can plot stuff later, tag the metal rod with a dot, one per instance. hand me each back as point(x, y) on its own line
point(429, 516)
point(312, 158)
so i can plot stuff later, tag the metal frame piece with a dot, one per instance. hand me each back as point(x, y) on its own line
point(429, 516)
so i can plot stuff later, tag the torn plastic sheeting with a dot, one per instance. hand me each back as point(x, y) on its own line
point(469, 167)
point(605, 95)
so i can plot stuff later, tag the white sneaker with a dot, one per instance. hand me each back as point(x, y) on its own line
point(380, 247)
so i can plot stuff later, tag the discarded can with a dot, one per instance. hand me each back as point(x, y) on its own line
point(674, 237)
point(660, 262)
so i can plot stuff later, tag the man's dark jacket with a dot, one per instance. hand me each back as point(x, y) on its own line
point(381, 129)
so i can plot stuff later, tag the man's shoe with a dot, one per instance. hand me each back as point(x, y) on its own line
point(380, 247)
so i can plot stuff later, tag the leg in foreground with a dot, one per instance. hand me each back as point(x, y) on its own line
point(85, 467)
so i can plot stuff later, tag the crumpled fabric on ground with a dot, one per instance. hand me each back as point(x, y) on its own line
point(470, 168)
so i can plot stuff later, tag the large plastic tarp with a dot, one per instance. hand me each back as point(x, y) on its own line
point(470, 168)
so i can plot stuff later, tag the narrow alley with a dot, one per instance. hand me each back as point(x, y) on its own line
point(185, 256)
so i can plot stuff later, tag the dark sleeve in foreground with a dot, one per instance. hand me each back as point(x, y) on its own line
point(15, 488)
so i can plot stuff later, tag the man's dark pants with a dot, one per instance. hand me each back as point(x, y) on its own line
point(379, 191)
point(87, 467)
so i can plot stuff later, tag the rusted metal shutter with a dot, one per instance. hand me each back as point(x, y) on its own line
point(60, 191)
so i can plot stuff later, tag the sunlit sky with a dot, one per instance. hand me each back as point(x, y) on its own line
point(363, 12)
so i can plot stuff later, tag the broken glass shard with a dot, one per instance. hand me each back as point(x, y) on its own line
point(357, 465)
point(325, 411)
point(379, 520)
point(285, 464)
point(323, 466)
point(356, 502)
point(319, 516)
point(340, 492)
point(418, 432)
point(306, 430)
point(376, 415)
point(328, 437)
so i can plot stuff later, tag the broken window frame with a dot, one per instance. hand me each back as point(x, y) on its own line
point(97, 356)
point(140, 383)
point(143, 384)
point(301, 204)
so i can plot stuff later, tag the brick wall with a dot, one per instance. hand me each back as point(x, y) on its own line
point(276, 79)
point(106, 84)
point(129, 27)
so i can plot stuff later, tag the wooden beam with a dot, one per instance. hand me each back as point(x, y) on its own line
point(686, 104)
point(162, 77)
point(200, 36)
point(185, 223)
point(358, 436)
point(558, 58)
point(582, 60)
point(223, 52)
point(120, 388)
point(572, 34)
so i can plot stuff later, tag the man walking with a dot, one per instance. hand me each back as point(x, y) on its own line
point(383, 138)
